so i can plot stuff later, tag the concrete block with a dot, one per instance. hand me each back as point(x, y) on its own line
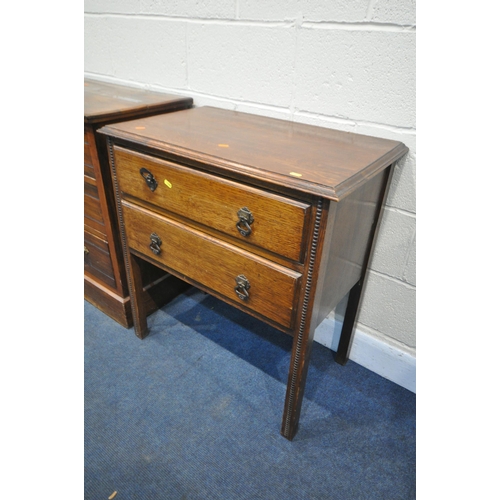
point(408, 136)
point(96, 53)
point(304, 10)
point(393, 244)
point(190, 9)
point(241, 62)
point(271, 112)
point(324, 121)
point(389, 307)
point(410, 274)
point(334, 11)
point(207, 100)
point(402, 193)
point(111, 6)
point(402, 12)
point(357, 75)
point(143, 50)
point(278, 10)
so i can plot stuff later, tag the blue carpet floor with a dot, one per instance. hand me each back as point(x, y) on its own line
point(194, 412)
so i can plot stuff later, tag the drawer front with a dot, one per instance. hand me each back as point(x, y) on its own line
point(97, 259)
point(92, 207)
point(88, 165)
point(216, 265)
point(278, 223)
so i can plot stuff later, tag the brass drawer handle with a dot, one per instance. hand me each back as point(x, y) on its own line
point(85, 250)
point(149, 178)
point(242, 287)
point(246, 218)
point(155, 243)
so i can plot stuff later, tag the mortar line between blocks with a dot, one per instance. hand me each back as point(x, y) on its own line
point(359, 26)
point(399, 281)
point(196, 20)
point(369, 10)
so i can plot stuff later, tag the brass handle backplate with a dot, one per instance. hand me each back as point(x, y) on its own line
point(149, 178)
point(245, 219)
point(155, 243)
point(242, 287)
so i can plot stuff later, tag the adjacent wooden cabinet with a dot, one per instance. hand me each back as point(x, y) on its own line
point(104, 271)
point(274, 217)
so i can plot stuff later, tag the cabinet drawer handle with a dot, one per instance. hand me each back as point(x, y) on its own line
point(155, 243)
point(85, 250)
point(245, 219)
point(149, 178)
point(242, 287)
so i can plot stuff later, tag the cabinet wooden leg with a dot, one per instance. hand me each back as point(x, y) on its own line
point(348, 325)
point(299, 364)
point(137, 299)
point(303, 337)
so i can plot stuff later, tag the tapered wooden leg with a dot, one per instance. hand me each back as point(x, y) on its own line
point(303, 337)
point(351, 312)
point(354, 299)
point(299, 364)
point(137, 301)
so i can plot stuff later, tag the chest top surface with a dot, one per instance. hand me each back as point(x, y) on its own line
point(307, 158)
point(107, 101)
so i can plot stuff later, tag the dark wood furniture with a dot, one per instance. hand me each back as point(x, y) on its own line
point(104, 271)
point(273, 217)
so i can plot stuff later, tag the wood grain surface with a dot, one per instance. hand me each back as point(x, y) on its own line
point(213, 263)
point(279, 222)
point(107, 102)
point(306, 158)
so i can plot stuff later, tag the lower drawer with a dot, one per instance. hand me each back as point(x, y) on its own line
point(255, 283)
point(97, 259)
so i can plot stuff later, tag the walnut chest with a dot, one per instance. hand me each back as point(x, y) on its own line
point(104, 272)
point(274, 217)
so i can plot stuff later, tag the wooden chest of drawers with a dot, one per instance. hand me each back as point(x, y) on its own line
point(104, 272)
point(275, 218)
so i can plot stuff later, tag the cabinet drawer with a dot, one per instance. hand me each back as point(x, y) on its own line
point(214, 264)
point(278, 223)
point(88, 165)
point(92, 206)
point(97, 259)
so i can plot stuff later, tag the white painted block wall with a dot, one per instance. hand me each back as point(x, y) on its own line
point(344, 64)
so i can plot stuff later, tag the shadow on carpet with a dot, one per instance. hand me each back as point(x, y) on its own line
point(194, 412)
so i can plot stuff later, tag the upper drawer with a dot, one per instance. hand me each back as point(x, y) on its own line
point(275, 223)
